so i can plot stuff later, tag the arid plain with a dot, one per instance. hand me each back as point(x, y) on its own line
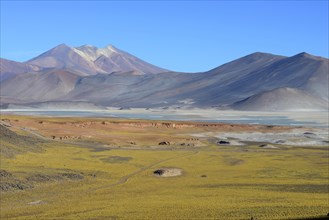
point(105, 168)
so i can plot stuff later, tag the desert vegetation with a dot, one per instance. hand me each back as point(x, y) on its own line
point(117, 169)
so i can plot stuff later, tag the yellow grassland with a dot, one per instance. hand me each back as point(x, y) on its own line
point(218, 182)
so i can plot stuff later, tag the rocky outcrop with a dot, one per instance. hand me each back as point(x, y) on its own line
point(267, 146)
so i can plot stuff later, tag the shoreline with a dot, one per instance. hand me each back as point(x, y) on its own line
point(299, 118)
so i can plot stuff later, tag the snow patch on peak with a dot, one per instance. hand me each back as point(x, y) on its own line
point(110, 47)
point(92, 53)
point(107, 51)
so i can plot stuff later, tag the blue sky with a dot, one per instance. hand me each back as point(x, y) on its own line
point(185, 36)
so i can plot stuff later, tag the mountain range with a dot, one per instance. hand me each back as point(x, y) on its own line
point(110, 77)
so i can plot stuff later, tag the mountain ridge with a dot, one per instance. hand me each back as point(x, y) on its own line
point(78, 74)
point(83, 60)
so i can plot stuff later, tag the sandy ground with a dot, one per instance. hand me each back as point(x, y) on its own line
point(147, 133)
point(170, 172)
point(294, 137)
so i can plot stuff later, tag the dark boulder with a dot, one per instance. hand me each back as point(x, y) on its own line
point(280, 142)
point(223, 142)
point(158, 172)
point(268, 146)
point(309, 135)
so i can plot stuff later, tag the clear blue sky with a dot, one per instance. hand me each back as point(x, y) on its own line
point(186, 36)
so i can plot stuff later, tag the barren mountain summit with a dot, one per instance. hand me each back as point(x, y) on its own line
point(90, 60)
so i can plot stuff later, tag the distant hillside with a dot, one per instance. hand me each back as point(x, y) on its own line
point(9, 68)
point(282, 99)
point(111, 77)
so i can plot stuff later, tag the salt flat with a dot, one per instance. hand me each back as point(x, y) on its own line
point(296, 118)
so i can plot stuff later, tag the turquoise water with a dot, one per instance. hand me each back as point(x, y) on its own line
point(241, 119)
